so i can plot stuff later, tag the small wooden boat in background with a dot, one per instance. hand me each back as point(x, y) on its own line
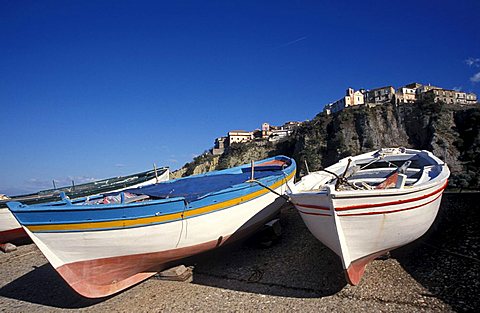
point(10, 229)
point(109, 243)
point(367, 205)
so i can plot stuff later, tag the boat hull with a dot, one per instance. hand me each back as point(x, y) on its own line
point(100, 249)
point(10, 229)
point(360, 228)
point(100, 263)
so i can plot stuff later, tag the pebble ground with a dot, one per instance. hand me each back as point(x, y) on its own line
point(437, 273)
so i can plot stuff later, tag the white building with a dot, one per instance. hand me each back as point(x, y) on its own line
point(278, 134)
point(425, 88)
point(465, 97)
point(265, 130)
point(471, 98)
point(406, 95)
point(328, 108)
point(236, 136)
point(351, 98)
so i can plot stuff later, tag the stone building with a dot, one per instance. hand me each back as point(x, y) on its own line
point(410, 93)
point(291, 125)
point(462, 97)
point(220, 145)
point(413, 85)
point(425, 88)
point(436, 95)
point(405, 95)
point(381, 95)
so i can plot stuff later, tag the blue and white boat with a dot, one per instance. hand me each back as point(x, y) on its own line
point(11, 231)
point(108, 243)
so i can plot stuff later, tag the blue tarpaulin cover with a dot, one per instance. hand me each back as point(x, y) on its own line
point(197, 186)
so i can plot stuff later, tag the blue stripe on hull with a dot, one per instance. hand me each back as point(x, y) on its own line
point(152, 210)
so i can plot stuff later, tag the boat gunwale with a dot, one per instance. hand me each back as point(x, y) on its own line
point(281, 179)
point(328, 189)
point(63, 206)
point(55, 193)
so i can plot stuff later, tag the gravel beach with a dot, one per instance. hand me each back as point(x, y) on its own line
point(437, 273)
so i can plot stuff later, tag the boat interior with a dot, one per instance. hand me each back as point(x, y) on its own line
point(400, 170)
point(410, 169)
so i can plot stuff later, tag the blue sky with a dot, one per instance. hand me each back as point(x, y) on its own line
point(93, 89)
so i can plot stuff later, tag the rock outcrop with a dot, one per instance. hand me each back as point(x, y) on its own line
point(450, 131)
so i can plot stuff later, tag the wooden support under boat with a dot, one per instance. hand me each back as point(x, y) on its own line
point(7, 247)
point(178, 273)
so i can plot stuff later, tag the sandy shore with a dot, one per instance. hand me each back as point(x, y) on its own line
point(438, 273)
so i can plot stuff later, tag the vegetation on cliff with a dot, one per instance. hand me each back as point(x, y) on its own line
point(450, 131)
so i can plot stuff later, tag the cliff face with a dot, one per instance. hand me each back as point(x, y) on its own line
point(451, 132)
point(201, 164)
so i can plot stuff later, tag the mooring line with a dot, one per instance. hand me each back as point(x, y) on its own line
point(268, 188)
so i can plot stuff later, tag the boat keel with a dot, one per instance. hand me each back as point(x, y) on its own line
point(356, 269)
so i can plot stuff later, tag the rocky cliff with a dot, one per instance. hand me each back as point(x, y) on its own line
point(450, 131)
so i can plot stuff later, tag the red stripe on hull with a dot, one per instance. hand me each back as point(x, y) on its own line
point(374, 205)
point(392, 211)
point(13, 235)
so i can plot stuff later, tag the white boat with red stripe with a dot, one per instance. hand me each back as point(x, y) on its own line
point(367, 205)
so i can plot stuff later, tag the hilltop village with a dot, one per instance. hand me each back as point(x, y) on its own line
point(407, 94)
point(410, 93)
point(266, 133)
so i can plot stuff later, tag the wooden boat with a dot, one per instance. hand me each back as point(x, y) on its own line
point(10, 229)
point(367, 205)
point(109, 243)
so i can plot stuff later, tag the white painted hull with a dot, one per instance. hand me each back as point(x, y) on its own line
point(368, 234)
point(99, 263)
point(361, 225)
point(357, 234)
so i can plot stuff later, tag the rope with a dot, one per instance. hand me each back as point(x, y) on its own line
point(268, 188)
point(371, 162)
point(341, 180)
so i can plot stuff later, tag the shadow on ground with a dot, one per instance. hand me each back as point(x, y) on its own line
point(297, 265)
point(44, 286)
point(445, 261)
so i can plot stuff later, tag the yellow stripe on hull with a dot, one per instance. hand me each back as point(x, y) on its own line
point(158, 219)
